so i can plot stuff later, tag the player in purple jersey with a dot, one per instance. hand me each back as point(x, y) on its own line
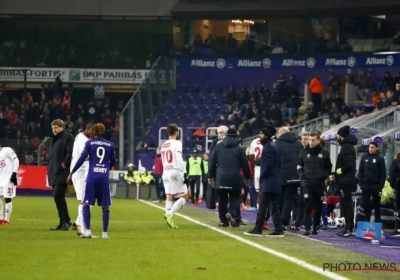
point(101, 156)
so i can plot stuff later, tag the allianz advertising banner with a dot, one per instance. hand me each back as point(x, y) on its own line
point(258, 70)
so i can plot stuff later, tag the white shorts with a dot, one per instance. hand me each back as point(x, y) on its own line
point(8, 191)
point(79, 181)
point(257, 173)
point(173, 183)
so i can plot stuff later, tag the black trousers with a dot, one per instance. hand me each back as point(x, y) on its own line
point(300, 208)
point(286, 202)
point(313, 198)
point(316, 98)
point(271, 200)
point(232, 196)
point(194, 180)
point(61, 203)
point(346, 206)
point(376, 204)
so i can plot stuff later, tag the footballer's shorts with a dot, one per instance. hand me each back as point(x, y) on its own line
point(173, 182)
point(79, 181)
point(8, 191)
point(97, 191)
point(257, 173)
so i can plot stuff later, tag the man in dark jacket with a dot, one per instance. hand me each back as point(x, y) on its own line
point(346, 176)
point(289, 147)
point(58, 170)
point(394, 180)
point(313, 168)
point(372, 176)
point(270, 184)
point(223, 170)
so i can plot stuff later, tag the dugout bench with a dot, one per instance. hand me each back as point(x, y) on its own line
point(127, 190)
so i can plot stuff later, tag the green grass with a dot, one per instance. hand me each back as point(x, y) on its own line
point(143, 247)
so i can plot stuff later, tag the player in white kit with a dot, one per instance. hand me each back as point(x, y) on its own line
point(255, 153)
point(173, 175)
point(9, 164)
point(79, 177)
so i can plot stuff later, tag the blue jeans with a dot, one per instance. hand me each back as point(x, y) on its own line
point(159, 186)
point(253, 196)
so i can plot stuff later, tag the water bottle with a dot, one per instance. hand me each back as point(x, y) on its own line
point(382, 236)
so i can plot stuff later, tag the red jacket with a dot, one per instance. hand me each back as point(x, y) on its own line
point(251, 169)
point(158, 168)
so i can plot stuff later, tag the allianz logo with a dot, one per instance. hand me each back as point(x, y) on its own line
point(266, 63)
point(219, 63)
point(310, 63)
point(389, 60)
point(351, 62)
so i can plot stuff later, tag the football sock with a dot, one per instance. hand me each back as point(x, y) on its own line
point(168, 205)
point(106, 219)
point(8, 211)
point(80, 218)
point(86, 218)
point(324, 214)
point(1, 210)
point(177, 205)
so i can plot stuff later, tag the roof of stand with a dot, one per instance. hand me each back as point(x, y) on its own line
point(357, 123)
point(208, 9)
point(381, 136)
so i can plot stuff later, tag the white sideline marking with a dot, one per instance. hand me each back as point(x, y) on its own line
point(300, 235)
point(294, 260)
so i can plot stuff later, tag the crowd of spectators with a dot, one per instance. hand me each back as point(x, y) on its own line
point(37, 110)
point(250, 109)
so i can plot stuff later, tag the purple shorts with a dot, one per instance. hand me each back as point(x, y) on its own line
point(99, 191)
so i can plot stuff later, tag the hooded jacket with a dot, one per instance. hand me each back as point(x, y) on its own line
point(289, 147)
point(346, 161)
point(372, 172)
point(225, 163)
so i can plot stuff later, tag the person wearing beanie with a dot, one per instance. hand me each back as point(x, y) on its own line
point(224, 167)
point(270, 184)
point(313, 168)
point(346, 176)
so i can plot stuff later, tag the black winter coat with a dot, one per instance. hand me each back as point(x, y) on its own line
point(372, 172)
point(60, 153)
point(314, 166)
point(289, 147)
point(225, 163)
point(394, 174)
point(346, 160)
point(270, 164)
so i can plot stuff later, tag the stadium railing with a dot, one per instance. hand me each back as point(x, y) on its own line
point(143, 107)
point(27, 151)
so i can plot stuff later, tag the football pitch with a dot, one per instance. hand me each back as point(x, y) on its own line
point(141, 246)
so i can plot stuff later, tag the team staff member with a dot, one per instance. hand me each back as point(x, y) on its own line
point(372, 176)
point(289, 147)
point(300, 201)
point(223, 170)
point(394, 179)
point(58, 170)
point(346, 176)
point(195, 171)
point(313, 168)
point(270, 184)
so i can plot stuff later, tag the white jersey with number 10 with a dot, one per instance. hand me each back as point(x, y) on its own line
point(171, 156)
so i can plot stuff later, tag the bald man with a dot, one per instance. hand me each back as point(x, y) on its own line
point(211, 197)
point(289, 147)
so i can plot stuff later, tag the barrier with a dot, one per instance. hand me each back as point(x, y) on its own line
point(161, 141)
point(210, 133)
